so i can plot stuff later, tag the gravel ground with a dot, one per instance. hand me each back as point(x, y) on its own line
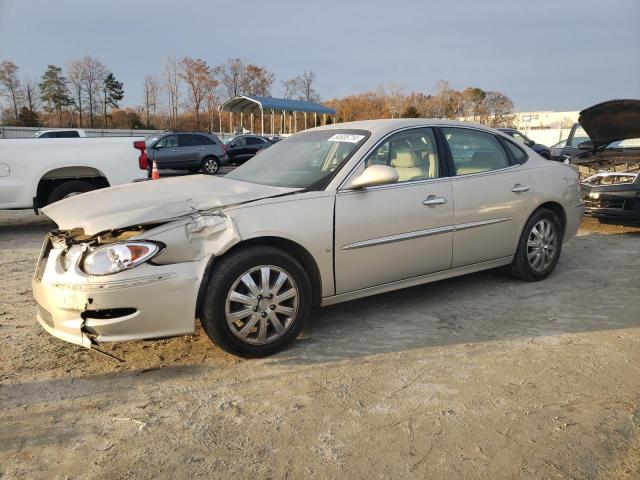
point(476, 377)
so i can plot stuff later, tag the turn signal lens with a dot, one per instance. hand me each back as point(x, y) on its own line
point(117, 257)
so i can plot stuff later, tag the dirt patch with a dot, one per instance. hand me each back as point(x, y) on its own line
point(476, 377)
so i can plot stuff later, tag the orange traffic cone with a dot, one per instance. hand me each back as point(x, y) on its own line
point(155, 175)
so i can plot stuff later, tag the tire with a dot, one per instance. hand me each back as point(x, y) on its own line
point(532, 261)
point(210, 165)
point(69, 189)
point(225, 321)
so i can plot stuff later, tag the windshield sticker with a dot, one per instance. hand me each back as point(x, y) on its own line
point(346, 137)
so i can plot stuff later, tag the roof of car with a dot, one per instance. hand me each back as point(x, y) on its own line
point(389, 124)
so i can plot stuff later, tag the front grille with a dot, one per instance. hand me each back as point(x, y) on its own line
point(613, 203)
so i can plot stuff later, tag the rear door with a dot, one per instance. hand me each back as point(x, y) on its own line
point(192, 149)
point(491, 193)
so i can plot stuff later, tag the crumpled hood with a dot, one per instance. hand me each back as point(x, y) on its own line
point(153, 201)
point(610, 121)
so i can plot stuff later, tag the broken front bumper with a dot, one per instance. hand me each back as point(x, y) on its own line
point(148, 301)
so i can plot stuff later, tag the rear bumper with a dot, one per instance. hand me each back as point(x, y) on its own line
point(142, 303)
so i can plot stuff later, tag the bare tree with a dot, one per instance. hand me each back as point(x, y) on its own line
point(257, 80)
point(302, 87)
point(151, 92)
point(394, 94)
point(76, 74)
point(197, 75)
point(31, 96)
point(290, 88)
point(93, 81)
point(240, 78)
point(173, 84)
point(212, 100)
point(232, 76)
point(10, 84)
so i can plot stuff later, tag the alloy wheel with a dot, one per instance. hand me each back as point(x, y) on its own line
point(261, 305)
point(210, 166)
point(542, 245)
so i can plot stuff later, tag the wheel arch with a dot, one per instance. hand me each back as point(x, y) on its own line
point(56, 176)
point(300, 253)
point(555, 207)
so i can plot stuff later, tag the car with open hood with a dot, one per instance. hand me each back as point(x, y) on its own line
point(611, 161)
point(330, 214)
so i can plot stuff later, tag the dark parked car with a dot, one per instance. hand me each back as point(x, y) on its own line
point(186, 151)
point(613, 194)
point(520, 137)
point(243, 147)
point(568, 147)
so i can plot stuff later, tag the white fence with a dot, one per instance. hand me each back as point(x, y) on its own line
point(30, 132)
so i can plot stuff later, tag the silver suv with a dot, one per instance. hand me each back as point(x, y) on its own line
point(187, 151)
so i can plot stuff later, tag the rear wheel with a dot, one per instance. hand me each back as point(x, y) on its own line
point(257, 302)
point(210, 165)
point(69, 189)
point(539, 246)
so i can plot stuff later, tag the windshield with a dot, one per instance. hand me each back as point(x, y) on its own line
point(628, 143)
point(305, 160)
point(579, 136)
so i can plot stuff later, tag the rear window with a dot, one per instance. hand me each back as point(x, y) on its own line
point(518, 155)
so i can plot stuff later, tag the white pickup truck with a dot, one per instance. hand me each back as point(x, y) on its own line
point(39, 171)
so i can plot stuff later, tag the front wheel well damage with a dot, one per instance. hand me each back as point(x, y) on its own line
point(294, 249)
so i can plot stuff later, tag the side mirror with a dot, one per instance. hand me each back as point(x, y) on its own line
point(157, 147)
point(586, 145)
point(529, 143)
point(375, 175)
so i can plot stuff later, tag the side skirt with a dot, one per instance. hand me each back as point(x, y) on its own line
point(413, 281)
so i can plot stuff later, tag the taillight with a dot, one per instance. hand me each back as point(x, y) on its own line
point(224, 148)
point(142, 159)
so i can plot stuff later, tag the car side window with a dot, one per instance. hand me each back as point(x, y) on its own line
point(517, 153)
point(413, 153)
point(474, 151)
point(519, 138)
point(253, 141)
point(191, 140)
point(170, 141)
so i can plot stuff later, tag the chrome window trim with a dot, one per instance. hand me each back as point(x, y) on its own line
point(488, 172)
point(400, 237)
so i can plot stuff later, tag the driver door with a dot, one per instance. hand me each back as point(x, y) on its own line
point(398, 231)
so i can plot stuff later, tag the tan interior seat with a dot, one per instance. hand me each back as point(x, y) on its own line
point(408, 165)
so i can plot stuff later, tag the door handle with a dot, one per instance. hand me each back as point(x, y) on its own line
point(174, 150)
point(517, 188)
point(433, 200)
point(200, 148)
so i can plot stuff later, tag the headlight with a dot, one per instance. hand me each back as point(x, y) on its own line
point(118, 256)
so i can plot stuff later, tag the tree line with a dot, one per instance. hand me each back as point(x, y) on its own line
point(188, 92)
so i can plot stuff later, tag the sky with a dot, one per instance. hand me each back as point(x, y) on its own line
point(545, 54)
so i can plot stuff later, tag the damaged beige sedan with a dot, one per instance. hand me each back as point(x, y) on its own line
point(327, 215)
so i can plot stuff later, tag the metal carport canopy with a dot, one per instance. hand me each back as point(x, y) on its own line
point(254, 104)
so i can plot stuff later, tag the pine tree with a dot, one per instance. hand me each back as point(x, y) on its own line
point(113, 93)
point(54, 91)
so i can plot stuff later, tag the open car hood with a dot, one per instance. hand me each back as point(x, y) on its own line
point(153, 201)
point(610, 121)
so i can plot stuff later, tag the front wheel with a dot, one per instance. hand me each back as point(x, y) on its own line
point(257, 302)
point(539, 246)
point(68, 189)
point(210, 165)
